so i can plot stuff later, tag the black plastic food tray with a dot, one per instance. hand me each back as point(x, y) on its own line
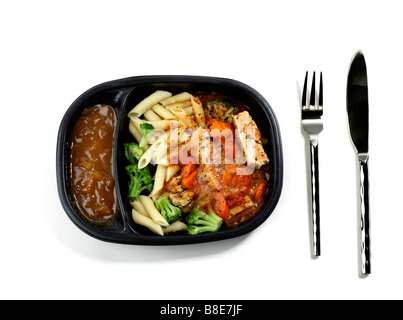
point(122, 95)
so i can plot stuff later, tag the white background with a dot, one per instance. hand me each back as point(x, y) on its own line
point(52, 51)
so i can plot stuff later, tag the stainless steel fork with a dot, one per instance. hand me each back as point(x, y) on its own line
point(312, 124)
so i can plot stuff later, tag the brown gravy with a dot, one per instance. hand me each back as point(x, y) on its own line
point(91, 171)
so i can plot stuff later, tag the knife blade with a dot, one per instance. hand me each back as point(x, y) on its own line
point(357, 111)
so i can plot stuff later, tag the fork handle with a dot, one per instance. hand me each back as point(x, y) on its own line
point(315, 198)
point(364, 223)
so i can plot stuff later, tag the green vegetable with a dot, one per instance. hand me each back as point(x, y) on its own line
point(140, 180)
point(168, 210)
point(219, 109)
point(146, 132)
point(133, 151)
point(200, 222)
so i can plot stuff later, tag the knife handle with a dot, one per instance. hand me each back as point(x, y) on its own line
point(364, 223)
point(315, 199)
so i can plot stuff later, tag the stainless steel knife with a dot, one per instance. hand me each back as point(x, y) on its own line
point(357, 110)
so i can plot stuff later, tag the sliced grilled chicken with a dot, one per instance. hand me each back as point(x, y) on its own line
point(249, 136)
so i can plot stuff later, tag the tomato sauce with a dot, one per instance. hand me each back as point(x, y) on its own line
point(220, 184)
point(223, 180)
point(91, 171)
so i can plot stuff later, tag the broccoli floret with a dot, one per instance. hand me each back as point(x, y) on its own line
point(168, 210)
point(219, 109)
point(140, 180)
point(200, 222)
point(133, 151)
point(146, 132)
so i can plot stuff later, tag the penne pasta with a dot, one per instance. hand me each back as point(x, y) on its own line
point(163, 112)
point(181, 124)
point(148, 203)
point(189, 110)
point(148, 102)
point(156, 135)
point(172, 169)
point(133, 130)
point(183, 116)
point(160, 156)
point(174, 137)
point(155, 197)
point(159, 179)
point(198, 111)
point(136, 122)
point(175, 227)
point(138, 206)
point(161, 124)
point(175, 99)
point(185, 136)
point(150, 155)
point(147, 222)
point(150, 115)
point(162, 139)
point(146, 158)
point(180, 105)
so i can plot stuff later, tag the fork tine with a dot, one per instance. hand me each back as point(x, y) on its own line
point(304, 92)
point(312, 100)
point(320, 92)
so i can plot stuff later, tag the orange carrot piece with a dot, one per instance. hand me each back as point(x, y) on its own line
point(188, 168)
point(217, 127)
point(220, 206)
point(189, 174)
point(260, 191)
point(220, 125)
point(188, 181)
